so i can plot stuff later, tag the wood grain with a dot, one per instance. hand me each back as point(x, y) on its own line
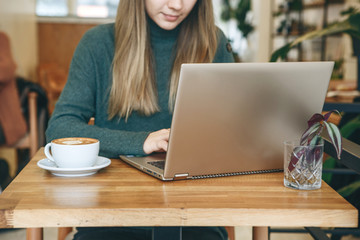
point(120, 195)
point(7, 212)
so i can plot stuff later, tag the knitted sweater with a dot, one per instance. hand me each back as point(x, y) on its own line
point(86, 93)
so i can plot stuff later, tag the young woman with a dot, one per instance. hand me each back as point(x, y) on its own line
point(125, 75)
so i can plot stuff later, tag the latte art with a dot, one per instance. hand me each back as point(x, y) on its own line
point(75, 141)
point(72, 142)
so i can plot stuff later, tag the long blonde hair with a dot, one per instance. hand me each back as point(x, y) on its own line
point(134, 84)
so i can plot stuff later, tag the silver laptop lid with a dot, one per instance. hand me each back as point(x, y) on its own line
point(234, 117)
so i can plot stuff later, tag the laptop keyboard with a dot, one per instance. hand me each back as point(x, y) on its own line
point(158, 164)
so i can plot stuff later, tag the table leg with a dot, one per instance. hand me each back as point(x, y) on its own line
point(63, 232)
point(34, 234)
point(166, 233)
point(260, 233)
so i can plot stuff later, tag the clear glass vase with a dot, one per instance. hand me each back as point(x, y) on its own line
point(303, 165)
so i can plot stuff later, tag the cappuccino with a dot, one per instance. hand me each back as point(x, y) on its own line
point(73, 152)
point(75, 141)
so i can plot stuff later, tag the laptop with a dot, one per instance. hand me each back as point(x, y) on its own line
point(232, 118)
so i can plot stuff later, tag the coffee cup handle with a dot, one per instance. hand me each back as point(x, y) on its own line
point(47, 152)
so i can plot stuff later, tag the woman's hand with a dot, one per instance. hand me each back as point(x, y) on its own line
point(157, 141)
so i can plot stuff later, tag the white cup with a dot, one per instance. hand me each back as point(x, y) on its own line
point(74, 152)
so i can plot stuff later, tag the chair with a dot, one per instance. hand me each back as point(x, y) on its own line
point(52, 78)
point(30, 140)
point(231, 232)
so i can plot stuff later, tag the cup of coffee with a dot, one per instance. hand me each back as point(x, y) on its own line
point(73, 152)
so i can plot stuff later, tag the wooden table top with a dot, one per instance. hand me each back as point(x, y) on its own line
point(120, 195)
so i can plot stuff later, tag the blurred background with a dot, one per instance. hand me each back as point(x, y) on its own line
point(43, 35)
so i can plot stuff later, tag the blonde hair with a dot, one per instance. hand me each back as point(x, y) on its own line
point(134, 84)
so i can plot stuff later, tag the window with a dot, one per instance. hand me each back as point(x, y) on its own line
point(54, 8)
point(77, 8)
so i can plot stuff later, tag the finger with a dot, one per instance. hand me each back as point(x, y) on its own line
point(157, 141)
point(163, 134)
point(165, 131)
point(162, 145)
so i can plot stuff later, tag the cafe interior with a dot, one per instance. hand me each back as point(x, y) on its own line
point(43, 35)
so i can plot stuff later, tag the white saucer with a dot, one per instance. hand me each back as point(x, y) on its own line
point(46, 164)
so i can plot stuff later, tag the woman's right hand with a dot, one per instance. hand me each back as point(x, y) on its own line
point(157, 141)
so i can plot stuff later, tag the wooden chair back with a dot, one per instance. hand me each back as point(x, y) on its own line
point(53, 79)
point(30, 140)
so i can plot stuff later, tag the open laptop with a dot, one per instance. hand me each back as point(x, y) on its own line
point(232, 118)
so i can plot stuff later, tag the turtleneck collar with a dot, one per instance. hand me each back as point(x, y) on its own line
point(157, 32)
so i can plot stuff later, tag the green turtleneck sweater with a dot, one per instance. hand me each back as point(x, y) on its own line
point(86, 93)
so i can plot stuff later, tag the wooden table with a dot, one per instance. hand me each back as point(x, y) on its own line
point(120, 195)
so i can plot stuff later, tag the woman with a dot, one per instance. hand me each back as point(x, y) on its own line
point(125, 75)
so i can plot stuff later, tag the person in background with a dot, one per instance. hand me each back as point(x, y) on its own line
point(12, 122)
point(125, 75)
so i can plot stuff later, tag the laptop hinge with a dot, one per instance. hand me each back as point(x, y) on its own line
point(181, 176)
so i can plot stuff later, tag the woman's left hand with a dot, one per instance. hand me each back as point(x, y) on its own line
point(157, 141)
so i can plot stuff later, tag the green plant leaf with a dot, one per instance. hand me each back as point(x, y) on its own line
point(316, 140)
point(349, 11)
point(329, 163)
point(335, 136)
point(239, 14)
point(312, 131)
point(349, 189)
point(350, 127)
point(346, 131)
point(280, 53)
point(335, 28)
point(354, 20)
point(350, 25)
point(316, 118)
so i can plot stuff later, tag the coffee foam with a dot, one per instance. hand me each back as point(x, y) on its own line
point(75, 141)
